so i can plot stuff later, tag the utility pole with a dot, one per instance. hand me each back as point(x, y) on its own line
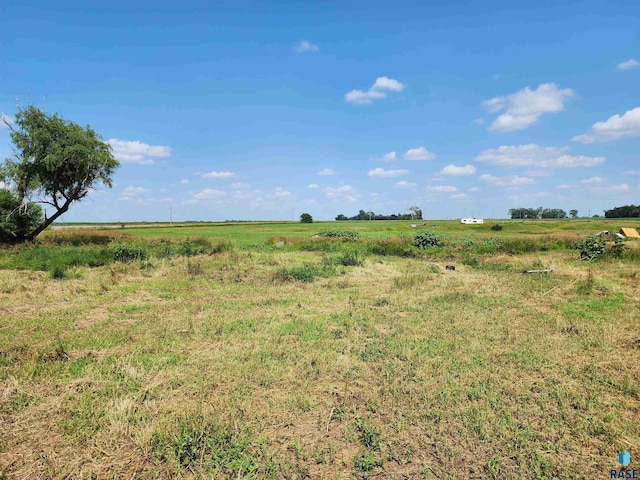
point(170, 215)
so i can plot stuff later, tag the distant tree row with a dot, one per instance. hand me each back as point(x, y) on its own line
point(541, 213)
point(627, 211)
point(414, 214)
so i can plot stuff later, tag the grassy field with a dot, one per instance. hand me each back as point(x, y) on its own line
point(264, 351)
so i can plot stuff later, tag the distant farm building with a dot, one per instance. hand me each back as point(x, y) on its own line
point(629, 232)
point(471, 221)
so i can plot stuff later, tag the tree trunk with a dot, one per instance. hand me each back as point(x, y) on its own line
point(31, 237)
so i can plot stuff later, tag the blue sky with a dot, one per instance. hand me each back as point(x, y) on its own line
point(265, 110)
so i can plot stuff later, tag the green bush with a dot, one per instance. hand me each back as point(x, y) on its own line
point(426, 239)
point(128, 253)
point(590, 248)
point(17, 220)
point(497, 227)
point(197, 246)
point(346, 235)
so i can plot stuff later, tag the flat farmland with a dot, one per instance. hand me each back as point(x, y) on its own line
point(324, 350)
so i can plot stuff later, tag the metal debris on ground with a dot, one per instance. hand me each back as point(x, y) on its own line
point(546, 270)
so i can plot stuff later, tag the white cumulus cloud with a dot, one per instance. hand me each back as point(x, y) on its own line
point(523, 108)
point(282, 193)
point(389, 157)
point(629, 64)
point(405, 184)
point(419, 153)
point(378, 90)
point(313, 185)
point(382, 173)
point(327, 172)
point(218, 175)
point(617, 126)
point(593, 180)
point(210, 194)
point(184, 182)
point(443, 189)
point(533, 155)
point(136, 152)
point(514, 181)
point(305, 46)
point(458, 171)
point(130, 193)
point(345, 193)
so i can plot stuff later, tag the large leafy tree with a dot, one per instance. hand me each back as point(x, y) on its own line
point(55, 162)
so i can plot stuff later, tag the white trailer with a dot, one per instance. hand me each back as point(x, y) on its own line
point(471, 221)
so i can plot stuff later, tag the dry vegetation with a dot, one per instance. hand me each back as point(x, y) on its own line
point(231, 365)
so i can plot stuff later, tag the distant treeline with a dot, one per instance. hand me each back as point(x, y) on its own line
point(416, 214)
point(541, 213)
point(627, 211)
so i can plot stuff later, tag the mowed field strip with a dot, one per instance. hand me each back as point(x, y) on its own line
point(269, 351)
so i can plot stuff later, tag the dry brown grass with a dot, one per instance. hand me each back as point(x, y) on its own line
point(207, 367)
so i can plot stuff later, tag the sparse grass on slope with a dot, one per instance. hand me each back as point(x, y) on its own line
point(219, 366)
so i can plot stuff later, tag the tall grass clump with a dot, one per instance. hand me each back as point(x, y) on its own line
point(319, 244)
point(306, 272)
point(221, 451)
point(128, 253)
point(346, 258)
point(45, 258)
point(81, 238)
point(202, 246)
point(393, 246)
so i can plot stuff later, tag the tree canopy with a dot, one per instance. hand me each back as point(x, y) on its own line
point(537, 213)
point(306, 218)
point(416, 214)
point(626, 211)
point(55, 162)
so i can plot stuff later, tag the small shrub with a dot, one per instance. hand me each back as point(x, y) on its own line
point(128, 253)
point(350, 259)
point(590, 248)
point(366, 460)
point(617, 249)
point(221, 246)
point(497, 227)
point(426, 239)
point(197, 246)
